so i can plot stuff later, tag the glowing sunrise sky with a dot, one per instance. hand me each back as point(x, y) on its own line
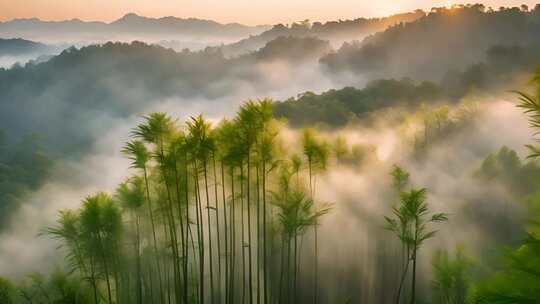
point(243, 11)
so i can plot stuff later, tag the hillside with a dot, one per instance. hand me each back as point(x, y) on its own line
point(15, 47)
point(336, 108)
point(336, 32)
point(502, 68)
point(445, 39)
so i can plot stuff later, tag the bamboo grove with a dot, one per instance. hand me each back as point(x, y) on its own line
point(211, 214)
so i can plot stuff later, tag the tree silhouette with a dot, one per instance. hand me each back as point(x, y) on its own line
point(100, 222)
point(316, 153)
point(131, 195)
point(411, 225)
point(139, 155)
point(201, 145)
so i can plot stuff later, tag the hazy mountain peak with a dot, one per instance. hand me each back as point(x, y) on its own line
point(22, 20)
point(131, 17)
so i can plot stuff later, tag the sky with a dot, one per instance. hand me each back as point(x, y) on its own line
point(249, 12)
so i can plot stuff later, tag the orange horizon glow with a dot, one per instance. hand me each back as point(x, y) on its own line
point(250, 12)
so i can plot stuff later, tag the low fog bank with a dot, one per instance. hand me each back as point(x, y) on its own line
point(358, 254)
point(20, 52)
point(9, 61)
point(22, 249)
point(351, 236)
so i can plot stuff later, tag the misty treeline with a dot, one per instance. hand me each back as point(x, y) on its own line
point(337, 108)
point(24, 165)
point(445, 39)
point(333, 31)
point(517, 281)
point(211, 214)
point(151, 72)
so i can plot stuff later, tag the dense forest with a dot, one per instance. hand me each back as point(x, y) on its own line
point(398, 168)
point(23, 167)
point(455, 37)
point(334, 31)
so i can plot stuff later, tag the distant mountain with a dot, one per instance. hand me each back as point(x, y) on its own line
point(336, 32)
point(17, 47)
point(21, 51)
point(445, 39)
point(129, 27)
point(173, 25)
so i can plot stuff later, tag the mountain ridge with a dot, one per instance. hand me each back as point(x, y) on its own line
point(126, 16)
point(337, 31)
point(125, 28)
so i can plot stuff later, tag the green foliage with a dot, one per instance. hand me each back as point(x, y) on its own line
point(100, 220)
point(505, 167)
point(138, 154)
point(410, 222)
point(411, 219)
point(340, 148)
point(519, 280)
point(156, 129)
point(400, 178)
point(438, 123)
point(131, 193)
point(337, 107)
point(199, 141)
point(68, 232)
point(316, 151)
point(296, 210)
point(531, 106)
point(451, 277)
point(57, 288)
point(7, 292)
